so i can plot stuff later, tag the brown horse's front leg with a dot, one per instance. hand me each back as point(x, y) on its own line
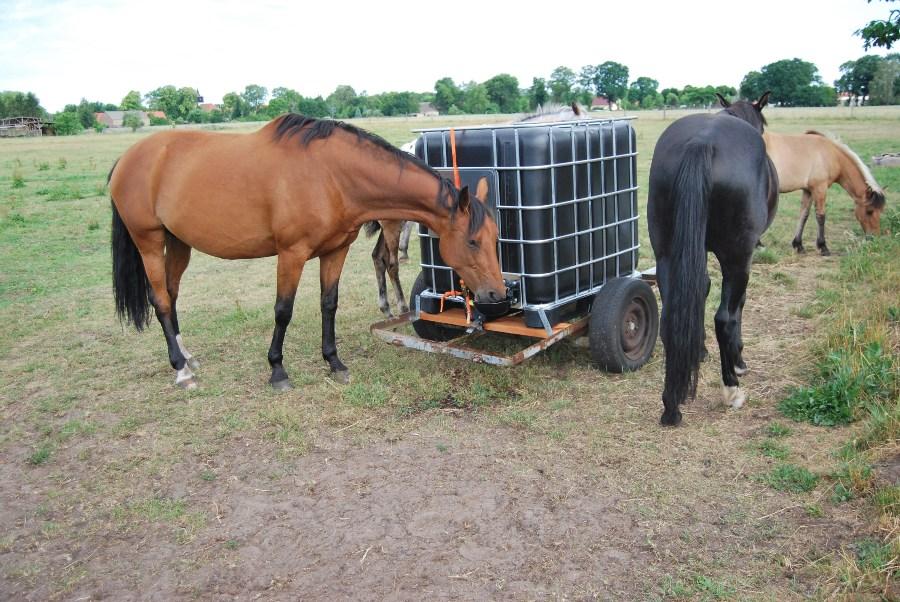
point(290, 267)
point(330, 267)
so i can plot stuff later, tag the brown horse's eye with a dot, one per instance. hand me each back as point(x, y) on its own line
point(473, 244)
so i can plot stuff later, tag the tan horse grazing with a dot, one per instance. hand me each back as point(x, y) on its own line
point(298, 188)
point(812, 162)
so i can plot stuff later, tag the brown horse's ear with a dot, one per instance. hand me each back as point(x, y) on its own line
point(575, 108)
point(763, 100)
point(481, 190)
point(463, 204)
point(725, 104)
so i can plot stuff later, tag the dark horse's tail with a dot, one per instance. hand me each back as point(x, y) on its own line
point(372, 227)
point(131, 287)
point(683, 307)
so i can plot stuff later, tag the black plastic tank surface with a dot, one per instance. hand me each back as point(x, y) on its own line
point(564, 196)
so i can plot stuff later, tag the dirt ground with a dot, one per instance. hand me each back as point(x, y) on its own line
point(461, 508)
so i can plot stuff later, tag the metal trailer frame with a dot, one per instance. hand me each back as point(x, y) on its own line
point(519, 273)
point(511, 324)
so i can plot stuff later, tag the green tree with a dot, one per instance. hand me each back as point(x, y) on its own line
point(67, 123)
point(176, 103)
point(881, 33)
point(255, 96)
point(343, 101)
point(671, 99)
point(562, 80)
point(642, 88)
point(131, 102)
point(284, 100)
point(476, 100)
point(729, 92)
point(18, 104)
point(856, 76)
point(885, 85)
point(132, 120)
point(314, 107)
point(446, 94)
point(609, 79)
point(537, 93)
point(234, 106)
point(793, 83)
point(503, 91)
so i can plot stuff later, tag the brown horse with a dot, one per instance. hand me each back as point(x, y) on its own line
point(298, 188)
point(812, 162)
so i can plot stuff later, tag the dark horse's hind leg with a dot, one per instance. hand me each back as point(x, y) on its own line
point(735, 276)
point(290, 266)
point(380, 259)
point(393, 232)
point(330, 267)
point(671, 413)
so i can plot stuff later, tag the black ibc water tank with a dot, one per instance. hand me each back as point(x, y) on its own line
point(564, 196)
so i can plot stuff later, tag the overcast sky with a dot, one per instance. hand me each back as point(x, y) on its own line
point(100, 49)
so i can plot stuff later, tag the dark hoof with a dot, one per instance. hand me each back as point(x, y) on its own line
point(282, 385)
point(403, 309)
point(823, 250)
point(341, 376)
point(673, 419)
point(798, 246)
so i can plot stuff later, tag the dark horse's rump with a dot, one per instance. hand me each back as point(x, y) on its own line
point(712, 188)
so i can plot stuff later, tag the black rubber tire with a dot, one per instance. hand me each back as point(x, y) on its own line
point(624, 325)
point(425, 329)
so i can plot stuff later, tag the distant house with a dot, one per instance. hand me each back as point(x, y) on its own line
point(601, 103)
point(426, 109)
point(113, 119)
point(208, 107)
point(157, 114)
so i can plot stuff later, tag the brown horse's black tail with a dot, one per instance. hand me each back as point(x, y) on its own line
point(131, 288)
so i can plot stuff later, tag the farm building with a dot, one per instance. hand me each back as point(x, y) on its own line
point(601, 103)
point(208, 107)
point(426, 109)
point(14, 127)
point(113, 119)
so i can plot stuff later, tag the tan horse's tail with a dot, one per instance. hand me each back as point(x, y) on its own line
point(131, 288)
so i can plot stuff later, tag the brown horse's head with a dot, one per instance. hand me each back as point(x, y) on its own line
point(469, 246)
point(869, 212)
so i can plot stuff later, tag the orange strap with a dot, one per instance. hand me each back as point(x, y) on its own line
point(453, 155)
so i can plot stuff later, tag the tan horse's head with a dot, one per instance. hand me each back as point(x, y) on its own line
point(469, 246)
point(869, 212)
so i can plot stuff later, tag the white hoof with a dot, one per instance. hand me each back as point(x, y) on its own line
point(184, 378)
point(734, 397)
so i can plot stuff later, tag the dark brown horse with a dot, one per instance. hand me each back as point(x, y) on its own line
point(712, 189)
point(298, 188)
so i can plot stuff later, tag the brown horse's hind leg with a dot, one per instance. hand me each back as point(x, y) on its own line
point(330, 267)
point(380, 260)
point(805, 202)
point(178, 255)
point(151, 244)
point(393, 232)
point(290, 266)
point(819, 197)
point(405, 233)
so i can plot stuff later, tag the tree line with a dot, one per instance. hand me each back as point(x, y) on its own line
point(793, 82)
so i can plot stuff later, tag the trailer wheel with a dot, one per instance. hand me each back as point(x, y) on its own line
point(624, 325)
point(425, 329)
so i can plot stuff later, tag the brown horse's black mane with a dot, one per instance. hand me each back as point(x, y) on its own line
point(310, 128)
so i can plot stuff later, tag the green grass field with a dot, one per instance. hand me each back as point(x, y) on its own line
point(547, 480)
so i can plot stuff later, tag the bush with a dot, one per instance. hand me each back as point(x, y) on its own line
point(99, 127)
point(154, 120)
point(133, 121)
point(67, 124)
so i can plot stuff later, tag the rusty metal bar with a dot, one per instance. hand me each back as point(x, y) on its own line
point(385, 331)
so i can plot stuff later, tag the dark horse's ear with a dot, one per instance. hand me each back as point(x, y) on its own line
point(463, 204)
point(575, 108)
point(763, 100)
point(725, 104)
